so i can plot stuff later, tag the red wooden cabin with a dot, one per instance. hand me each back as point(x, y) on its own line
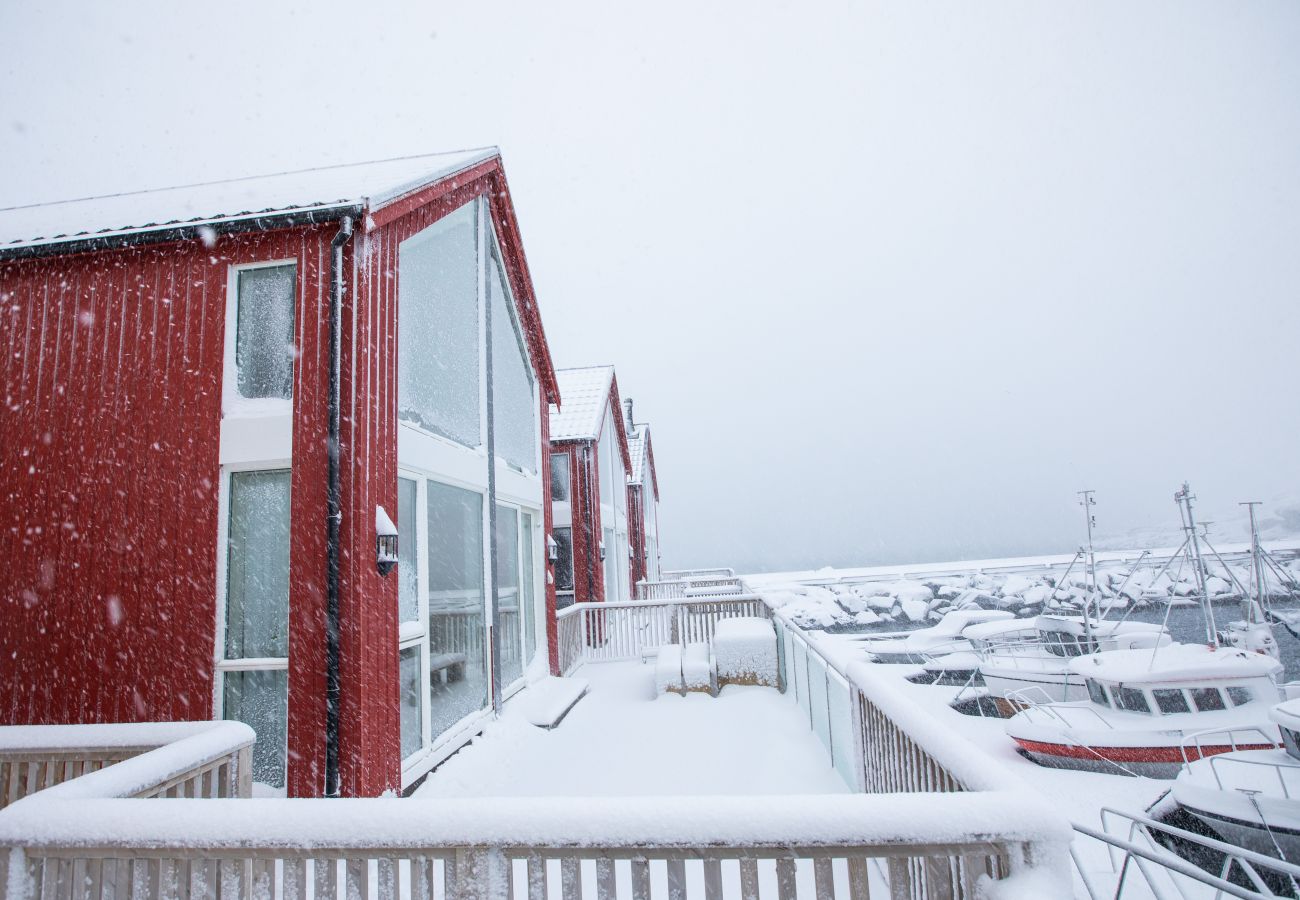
point(177, 540)
point(589, 466)
point(642, 502)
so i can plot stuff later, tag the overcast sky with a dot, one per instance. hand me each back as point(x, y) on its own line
point(891, 281)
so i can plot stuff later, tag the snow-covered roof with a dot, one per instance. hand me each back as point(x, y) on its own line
point(370, 185)
point(636, 444)
point(584, 394)
point(1175, 662)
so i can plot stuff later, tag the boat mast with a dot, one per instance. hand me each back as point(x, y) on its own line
point(1184, 500)
point(1087, 502)
point(1255, 611)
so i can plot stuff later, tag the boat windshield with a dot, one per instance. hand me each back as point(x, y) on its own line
point(1171, 700)
point(1291, 740)
point(1131, 699)
point(1240, 696)
point(1208, 699)
point(1060, 643)
point(1097, 693)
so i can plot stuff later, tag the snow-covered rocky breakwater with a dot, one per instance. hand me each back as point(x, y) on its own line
point(849, 602)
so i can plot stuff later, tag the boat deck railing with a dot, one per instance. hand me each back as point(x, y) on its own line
point(1235, 740)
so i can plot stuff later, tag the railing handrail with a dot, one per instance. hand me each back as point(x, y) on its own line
point(193, 748)
point(859, 821)
point(577, 608)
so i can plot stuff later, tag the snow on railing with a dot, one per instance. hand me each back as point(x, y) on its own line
point(680, 574)
point(825, 846)
point(607, 632)
point(170, 759)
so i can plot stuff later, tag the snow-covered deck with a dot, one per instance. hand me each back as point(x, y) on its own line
point(623, 740)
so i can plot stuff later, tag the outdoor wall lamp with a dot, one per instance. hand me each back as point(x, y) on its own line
point(385, 542)
point(602, 551)
point(552, 549)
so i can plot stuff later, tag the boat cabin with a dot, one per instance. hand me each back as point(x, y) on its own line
point(1287, 718)
point(1178, 679)
point(1068, 636)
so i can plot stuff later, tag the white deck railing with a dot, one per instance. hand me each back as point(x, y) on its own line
point(608, 632)
point(955, 832)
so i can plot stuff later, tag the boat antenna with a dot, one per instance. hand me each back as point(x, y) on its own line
point(1087, 501)
point(1184, 498)
point(1255, 611)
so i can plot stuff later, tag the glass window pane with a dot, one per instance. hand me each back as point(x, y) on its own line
point(507, 587)
point(438, 328)
point(560, 477)
point(1131, 699)
point(528, 596)
point(257, 566)
point(458, 664)
point(408, 592)
point(1171, 700)
point(1207, 699)
point(1097, 693)
point(563, 558)
point(1240, 695)
point(410, 692)
point(264, 348)
point(513, 409)
point(260, 699)
point(611, 570)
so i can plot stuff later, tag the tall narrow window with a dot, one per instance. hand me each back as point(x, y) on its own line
point(507, 589)
point(560, 477)
point(514, 410)
point(408, 592)
point(410, 693)
point(264, 347)
point(458, 662)
point(563, 559)
point(257, 615)
point(438, 328)
point(528, 591)
point(611, 567)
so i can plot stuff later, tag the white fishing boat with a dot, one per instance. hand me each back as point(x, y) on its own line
point(1040, 668)
point(927, 643)
point(1145, 709)
point(1251, 798)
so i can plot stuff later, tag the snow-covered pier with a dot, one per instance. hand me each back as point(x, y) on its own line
point(894, 810)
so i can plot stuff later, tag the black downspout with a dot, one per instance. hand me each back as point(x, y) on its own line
point(334, 513)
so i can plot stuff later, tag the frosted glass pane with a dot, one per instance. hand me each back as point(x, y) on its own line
point(818, 700)
point(528, 598)
point(560, 477)
point(458, 662)
point(564, 558)
point(408, 599)
point(611, 576)
point(264, 332)
point(257, 565)
point(260, 699)
point(513, 410)
point(438, 328)
point(507, 587)
point(842, 739)
point(409, 685)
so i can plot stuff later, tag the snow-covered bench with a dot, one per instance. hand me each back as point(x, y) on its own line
point(668, 670)
point(549, 700)
point(697, 668)
point(744, 650)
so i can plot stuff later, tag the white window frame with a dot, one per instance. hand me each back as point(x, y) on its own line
point(251, 406)
point(220, 664)
point(424, 456)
